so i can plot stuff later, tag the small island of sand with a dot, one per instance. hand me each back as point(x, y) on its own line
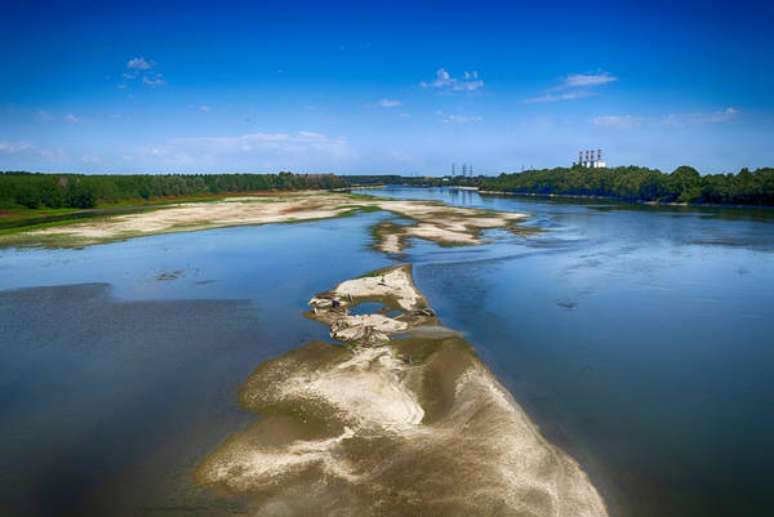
point(400, 418)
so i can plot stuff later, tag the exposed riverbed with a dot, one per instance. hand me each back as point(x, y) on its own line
point(638, 339)
point(410, 425)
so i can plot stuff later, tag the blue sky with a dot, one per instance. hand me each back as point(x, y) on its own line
point(383, 87)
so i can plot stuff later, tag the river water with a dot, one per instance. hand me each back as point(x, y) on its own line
point(640, 339)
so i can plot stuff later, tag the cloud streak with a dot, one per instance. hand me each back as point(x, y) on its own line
point(8, 147)
point(558, 97)
point(671, 119)
point(450, 118)
point(154, 81)
point(714, 117)
point(573, 87)
point(389, 103)
point(587, 80)
point(289, 151)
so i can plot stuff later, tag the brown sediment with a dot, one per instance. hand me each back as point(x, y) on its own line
point(428, 220)
point(389, 237)
point(411, 424)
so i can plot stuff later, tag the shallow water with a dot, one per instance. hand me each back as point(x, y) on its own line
point(638, 338)
point(121, 373)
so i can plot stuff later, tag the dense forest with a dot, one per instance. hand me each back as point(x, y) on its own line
point(684, 185)
point(639, 184)
point(22, 189)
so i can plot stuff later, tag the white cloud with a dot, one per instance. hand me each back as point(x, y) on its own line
point(204, 108)
point(450, 118)
point(71, 119)
point(389, 103)
point(153, 81)
point(672, 119)
point(276, 151)
point(405, 115)
point(140, 69)
point(714, 117)
point(585, 80)
point(573, 87)
point(558, 97)
point(140, 63)
point(462, 119)
point(301, 141)
point(8, 147)
point(617, 121)
point(444, 81)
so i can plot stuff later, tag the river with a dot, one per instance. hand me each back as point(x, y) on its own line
point(640, 339)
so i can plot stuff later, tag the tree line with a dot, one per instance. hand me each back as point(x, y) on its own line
point(36, 190)
point(639, 184)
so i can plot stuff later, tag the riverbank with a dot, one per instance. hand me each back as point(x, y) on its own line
point(427, 220)
point(620, 200)
point(366, 428)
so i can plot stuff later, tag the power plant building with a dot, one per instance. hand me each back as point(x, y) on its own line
point(591, 159)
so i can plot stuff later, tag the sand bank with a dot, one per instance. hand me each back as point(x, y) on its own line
point(427, 220)
point(413, 425)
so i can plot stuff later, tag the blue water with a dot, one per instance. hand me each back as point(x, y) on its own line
point(119, 370)
point(640, 339)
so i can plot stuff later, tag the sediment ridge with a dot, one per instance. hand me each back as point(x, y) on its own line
point(399, 418)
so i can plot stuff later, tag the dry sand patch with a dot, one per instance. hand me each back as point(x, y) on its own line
point(428, 220)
